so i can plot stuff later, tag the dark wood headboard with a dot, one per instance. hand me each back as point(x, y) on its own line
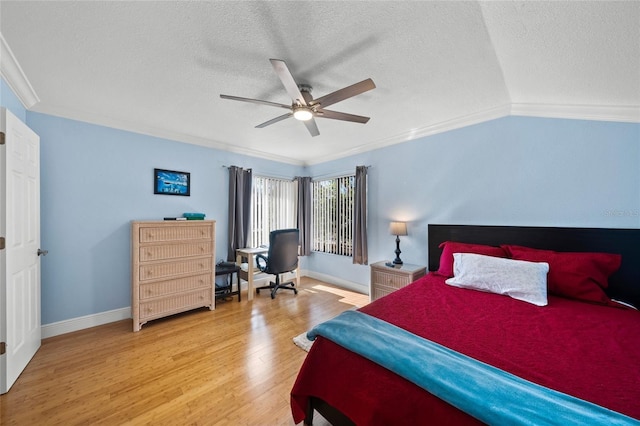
point(623, 285)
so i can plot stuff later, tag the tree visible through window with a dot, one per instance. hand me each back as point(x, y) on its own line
point(333, 215)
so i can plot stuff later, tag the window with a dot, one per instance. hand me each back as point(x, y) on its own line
point(273, 206)
point(333, 215)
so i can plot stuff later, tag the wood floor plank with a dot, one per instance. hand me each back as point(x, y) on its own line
point(231, 366)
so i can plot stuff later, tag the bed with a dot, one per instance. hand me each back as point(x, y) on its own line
point(581, 346)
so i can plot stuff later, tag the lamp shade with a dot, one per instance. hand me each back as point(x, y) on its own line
point(398, 228)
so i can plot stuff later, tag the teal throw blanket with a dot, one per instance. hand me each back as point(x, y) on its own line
point(485, 392)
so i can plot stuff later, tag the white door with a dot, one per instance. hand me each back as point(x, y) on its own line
point(19, 261)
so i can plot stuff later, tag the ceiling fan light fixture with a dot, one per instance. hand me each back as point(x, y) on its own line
point(302, 114)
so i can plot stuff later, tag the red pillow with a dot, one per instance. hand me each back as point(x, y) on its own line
point(581, 276)
point(449, 247)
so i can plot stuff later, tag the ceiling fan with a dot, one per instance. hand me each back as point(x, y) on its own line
point(303, 107)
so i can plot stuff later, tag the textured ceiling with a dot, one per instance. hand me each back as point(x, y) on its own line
point(159, 67)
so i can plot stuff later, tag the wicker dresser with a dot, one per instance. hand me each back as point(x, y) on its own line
point(385, 279)
point(172, 268)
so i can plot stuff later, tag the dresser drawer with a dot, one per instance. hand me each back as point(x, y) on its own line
point(154, 271)
point(178, 303)
point(161, 288)
point(175, 233)
point(171, 251)
point(394, 281)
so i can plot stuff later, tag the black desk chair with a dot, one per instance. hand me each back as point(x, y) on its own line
point(282, 257)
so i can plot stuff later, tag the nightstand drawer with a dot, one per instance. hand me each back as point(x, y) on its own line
point(380, 291)
point(394, 281)
point(387, 279)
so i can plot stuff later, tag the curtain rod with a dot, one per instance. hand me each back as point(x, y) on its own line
point(333, 174)
point(266, 174)
point(339, 174)
point(228, 167)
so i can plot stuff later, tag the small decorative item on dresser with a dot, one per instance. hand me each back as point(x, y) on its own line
point(397, 229)
point(387, 279)
point(194, 216)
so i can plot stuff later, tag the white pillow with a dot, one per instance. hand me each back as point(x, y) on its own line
point(526, 281)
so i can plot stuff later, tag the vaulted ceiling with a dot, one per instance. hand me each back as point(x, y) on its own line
point(158, 68)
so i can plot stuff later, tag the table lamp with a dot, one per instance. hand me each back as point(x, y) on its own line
point(397, 229)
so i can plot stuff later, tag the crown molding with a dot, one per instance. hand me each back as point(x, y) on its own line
point(100, 120)
point(432, 129)
point(12, 73)
point(626, 114)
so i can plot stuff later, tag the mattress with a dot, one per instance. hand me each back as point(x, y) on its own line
point(582, 349)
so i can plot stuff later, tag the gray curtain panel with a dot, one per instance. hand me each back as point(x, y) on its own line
point(304, 214)
point(239, 209)
point(360, 251)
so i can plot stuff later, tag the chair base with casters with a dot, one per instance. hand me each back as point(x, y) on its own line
point(282, 258)
point(275, 286)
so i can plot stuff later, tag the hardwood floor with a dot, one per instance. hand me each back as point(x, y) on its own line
point(231, 366)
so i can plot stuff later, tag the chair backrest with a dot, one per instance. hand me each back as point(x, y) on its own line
point(283, 251)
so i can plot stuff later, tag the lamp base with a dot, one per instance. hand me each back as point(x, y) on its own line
point(397, 260)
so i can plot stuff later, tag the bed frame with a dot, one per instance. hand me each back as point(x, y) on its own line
point(624, 285)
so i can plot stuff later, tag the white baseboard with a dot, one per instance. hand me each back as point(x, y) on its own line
point(88, 321)
point(348, 285)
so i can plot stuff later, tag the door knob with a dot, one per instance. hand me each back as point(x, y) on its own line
point(42, 252)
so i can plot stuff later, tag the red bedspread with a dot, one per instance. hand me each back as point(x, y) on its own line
point(586, 350)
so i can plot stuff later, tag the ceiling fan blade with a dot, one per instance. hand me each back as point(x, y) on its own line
point(312, 127)
point(345, 93)
point(274, 120)
point(334, 115)
point(255, 101)
point(287, 80)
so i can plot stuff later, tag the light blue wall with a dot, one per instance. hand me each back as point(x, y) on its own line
point(510, 171)
point(94, 181)
point(10, 101)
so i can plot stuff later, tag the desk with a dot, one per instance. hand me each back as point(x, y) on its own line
point(250, 253)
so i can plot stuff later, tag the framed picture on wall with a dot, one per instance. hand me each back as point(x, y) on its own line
point(171, 182)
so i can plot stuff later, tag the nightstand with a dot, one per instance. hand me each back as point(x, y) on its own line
point(386, 279)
